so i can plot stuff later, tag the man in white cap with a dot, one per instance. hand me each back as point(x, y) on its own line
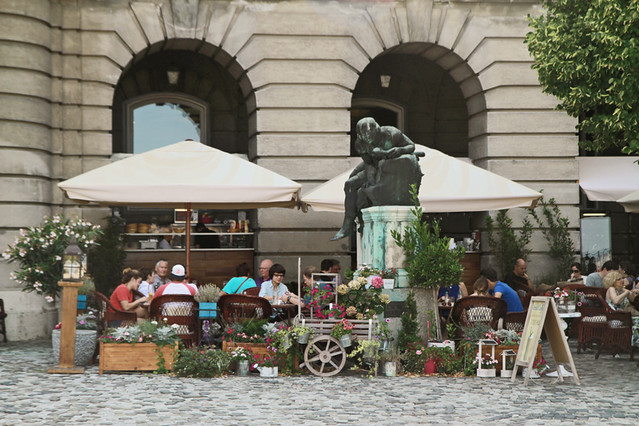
point(177, 285)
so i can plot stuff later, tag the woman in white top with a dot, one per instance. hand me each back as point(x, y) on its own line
point(275, 290)
point(146, 286)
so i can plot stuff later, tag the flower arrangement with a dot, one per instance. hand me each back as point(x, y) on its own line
point(377, 282)
point(86, 321)
point(252, 331)
point(363, 301)
point(266, 361)
point(486, 361)
point(366, 271)
point(39, 251)
point(563, 296)
point(147, 332)
point(389, 273)
point(241, 354)
point(504, 337)
point(342, 328)
point(417, 353)
point(540, 366)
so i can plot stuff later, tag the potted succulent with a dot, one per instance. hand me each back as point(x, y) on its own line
point(207, 296)
point(342, 332)
point(85, 339)
point(430, 263)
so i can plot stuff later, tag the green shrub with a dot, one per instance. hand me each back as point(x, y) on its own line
point(201, 362)
point(504, 242)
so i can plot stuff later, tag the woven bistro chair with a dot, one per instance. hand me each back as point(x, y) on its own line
point(591, 326)
point(253, 291)
point(468, 311)
point(515, 321)
point(618, 333)
point(113, 317)
point(238, 307)
point(177, 309)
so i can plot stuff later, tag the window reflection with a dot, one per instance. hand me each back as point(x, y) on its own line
point(159, 124)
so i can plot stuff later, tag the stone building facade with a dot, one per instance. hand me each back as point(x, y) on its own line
point(282, 82)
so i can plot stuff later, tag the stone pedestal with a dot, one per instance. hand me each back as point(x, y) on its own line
point(378, 246)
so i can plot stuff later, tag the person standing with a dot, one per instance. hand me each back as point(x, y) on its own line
point(596, 278)
point(502, 290)
point(265, 267)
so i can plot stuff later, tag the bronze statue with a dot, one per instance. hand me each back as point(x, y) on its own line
point(383, 178)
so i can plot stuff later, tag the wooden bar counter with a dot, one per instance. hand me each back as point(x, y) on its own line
point(207, 265)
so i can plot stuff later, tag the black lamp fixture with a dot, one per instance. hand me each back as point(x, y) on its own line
point(72, 259)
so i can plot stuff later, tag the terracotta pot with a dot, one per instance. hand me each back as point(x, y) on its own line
point(430, 367)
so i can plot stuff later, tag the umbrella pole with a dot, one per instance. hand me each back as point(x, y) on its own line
point(299, 287)
point(188, 241)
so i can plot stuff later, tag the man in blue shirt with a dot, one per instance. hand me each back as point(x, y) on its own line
point(502, 290)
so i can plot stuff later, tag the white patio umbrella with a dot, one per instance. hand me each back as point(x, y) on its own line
point(184, 175)
point(630, 202)
point(448, 185)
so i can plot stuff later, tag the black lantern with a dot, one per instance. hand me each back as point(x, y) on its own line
point(72, 262)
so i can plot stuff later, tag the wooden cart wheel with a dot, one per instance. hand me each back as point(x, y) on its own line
point(324, 356)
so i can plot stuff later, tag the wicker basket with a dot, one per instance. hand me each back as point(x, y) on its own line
point(143, 228)
point(132, 228)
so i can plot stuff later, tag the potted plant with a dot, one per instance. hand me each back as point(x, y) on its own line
point(342, 332)
point(303, 334)
point(207, 296)
point(432, 357)
point(430, 263)
point(485, 365)
point(388, 275)
point(390, 359)
point(85, 339)
point(241, 357)
point(148, 346)
point(267, 366)
point(367, 351)
point(250, 334)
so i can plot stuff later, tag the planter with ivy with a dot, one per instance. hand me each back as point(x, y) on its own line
point(142, 347)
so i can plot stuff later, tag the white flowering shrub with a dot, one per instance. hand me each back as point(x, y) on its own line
point(38, 250)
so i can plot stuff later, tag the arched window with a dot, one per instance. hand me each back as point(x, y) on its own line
point(159, 119)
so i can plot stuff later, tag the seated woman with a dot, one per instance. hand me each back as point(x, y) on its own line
point(481, 287)
point(575, 274)
point(617, 296)
point(241, 282)
point(626, 270)
point(274, 290)
point(122, 297)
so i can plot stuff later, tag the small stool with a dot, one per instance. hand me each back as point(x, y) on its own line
point(3, 315)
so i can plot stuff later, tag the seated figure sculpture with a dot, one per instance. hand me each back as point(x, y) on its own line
point(389, 167)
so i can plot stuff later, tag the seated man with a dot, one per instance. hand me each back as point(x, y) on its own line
point(518, 277)
point(178, 284)
point(502, 290)
point(596, 278)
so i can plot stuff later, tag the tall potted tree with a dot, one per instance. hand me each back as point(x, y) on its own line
point(430, 263)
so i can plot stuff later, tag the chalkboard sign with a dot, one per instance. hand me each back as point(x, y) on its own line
point(542, 314)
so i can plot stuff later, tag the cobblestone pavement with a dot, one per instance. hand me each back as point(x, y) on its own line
point(28, 395)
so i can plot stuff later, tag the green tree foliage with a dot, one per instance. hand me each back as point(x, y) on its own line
point(555, 228)
point(429, 261)
point(105, 260)
point(409, 331)
point(505, 244)
point(586, 54)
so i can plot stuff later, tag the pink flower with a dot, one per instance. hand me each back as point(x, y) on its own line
point(418, 352)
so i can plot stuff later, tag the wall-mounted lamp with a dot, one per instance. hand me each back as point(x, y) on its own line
point(173, 75)
point(385, 81)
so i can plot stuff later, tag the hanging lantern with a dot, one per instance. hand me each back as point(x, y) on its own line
point(72, 259)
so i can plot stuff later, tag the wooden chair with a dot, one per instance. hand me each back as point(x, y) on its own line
point(3, 327)
point(113, 317)
point(177, 309)
point(470, 310)
point(238, 307)
point(253, 291)
point(515, 321)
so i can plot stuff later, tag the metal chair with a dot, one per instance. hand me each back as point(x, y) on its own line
point(468, 311)
point(239, 307)
point(177, 309)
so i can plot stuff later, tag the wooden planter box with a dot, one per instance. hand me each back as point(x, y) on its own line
point(137, 357)
point(500, 348)
point(259, 349)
